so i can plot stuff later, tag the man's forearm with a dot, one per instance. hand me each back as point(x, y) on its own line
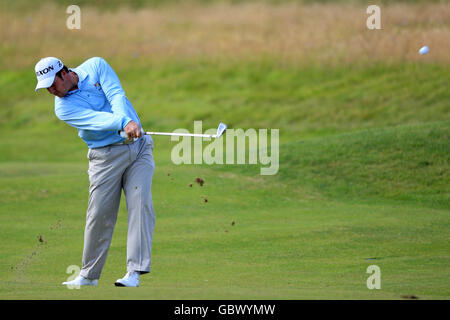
point(95, 121)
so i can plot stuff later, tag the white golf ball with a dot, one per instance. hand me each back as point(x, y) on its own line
point(424, 50)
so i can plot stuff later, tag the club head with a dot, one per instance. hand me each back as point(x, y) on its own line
point(221, 129)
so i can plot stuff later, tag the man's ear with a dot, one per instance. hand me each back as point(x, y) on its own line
point(64, 74)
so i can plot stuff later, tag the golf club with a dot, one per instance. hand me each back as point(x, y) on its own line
point(220, 130)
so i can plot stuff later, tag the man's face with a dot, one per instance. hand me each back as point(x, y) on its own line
point(60, 86)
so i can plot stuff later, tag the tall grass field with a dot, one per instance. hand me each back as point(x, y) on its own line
point(364, 149)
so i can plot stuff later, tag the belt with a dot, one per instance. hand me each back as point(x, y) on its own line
point(126, 141)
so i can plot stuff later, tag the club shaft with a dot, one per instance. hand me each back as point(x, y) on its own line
point(181, 134)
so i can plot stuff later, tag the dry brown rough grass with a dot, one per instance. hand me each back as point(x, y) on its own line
point(325, 33)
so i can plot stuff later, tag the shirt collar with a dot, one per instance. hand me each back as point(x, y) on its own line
point(81, 77)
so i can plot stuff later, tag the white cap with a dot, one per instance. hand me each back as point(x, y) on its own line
point(46, 70)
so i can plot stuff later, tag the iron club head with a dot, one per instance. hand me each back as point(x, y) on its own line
point(221, 129)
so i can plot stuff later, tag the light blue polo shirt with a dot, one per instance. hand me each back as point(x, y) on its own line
point(99, 107)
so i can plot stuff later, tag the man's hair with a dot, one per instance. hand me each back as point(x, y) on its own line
point(59, 72)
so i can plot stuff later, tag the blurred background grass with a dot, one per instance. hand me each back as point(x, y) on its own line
point(139, 4)
point(364, 145)
point(323, 34)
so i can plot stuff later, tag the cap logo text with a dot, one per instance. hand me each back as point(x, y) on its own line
point(44, 71)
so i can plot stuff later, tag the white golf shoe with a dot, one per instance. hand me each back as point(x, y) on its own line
point(81, 281)
point(131, 279)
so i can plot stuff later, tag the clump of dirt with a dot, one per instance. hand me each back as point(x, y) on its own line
point(204, 199)
point(233, 223)
point(200, 181)
point(413, 297)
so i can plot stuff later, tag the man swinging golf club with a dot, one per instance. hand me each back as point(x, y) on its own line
point(91, 99)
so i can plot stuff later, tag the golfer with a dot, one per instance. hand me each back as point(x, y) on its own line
point(91, 99)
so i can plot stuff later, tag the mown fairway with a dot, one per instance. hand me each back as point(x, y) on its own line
point(364, 155)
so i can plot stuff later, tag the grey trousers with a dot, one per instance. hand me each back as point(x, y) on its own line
point(113, 168)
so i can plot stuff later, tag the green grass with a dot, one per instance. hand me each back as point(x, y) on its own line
point(406, 164)
point(285, 243)
point(363, 180)
point(277, 249)
point(301, 102)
